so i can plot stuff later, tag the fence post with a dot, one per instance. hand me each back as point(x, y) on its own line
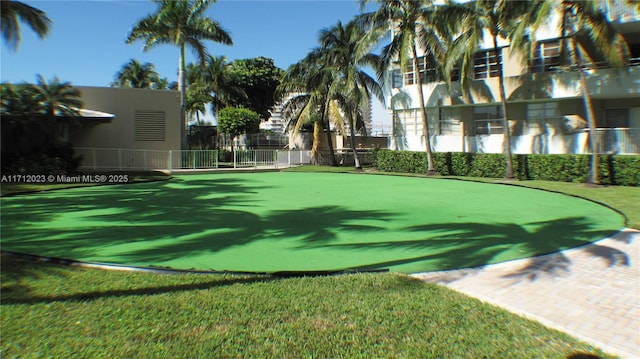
point(170, 165)
point(234, 158)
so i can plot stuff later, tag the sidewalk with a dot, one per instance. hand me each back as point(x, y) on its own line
point(591, 292)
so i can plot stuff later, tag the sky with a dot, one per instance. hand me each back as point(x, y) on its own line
point(86, 43)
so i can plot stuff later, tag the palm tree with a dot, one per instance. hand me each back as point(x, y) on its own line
point(222, 86)
point(586, 20)
point(308, 85)
point(181, 23)
point(14, 12)
point(412, 28)
point(500, 19)
point(56, 98)
point(346, 48)
point(134, 74)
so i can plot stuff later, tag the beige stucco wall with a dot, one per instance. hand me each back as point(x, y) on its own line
point(123, 103)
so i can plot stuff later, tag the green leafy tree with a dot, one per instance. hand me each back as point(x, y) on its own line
point(500, 19)
point(587, 21)
point(14, 12)
point(181, 23)
point(223, 85)
point(234, 121)
point(56, 98)
point(259, 78)
point(346, 48)
point(412, 28)
point(307, 87)
point(134, 74)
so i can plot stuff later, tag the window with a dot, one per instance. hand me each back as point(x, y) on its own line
point(427, 68)
point(396, 78)
point(616, 118)
point(149, 126)
point(488, 120)
point(547, 56)
point(539, 115)
point(449, 122)
point(486, 64)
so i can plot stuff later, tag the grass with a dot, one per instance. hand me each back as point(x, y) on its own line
point(623, 199)
point(59, 311)
point(272, 222)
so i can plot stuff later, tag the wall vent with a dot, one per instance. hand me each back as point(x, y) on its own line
point(150, 126)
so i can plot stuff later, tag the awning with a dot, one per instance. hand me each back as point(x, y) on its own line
point(95, 115)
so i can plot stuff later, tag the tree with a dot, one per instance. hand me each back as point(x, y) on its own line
point(134, 74)
point(499, 19)
point(259, 78)
point(56, 98)
point(583, 21)
point(307, 84)
point(412, 29)
point(14, 12)
point(223, 86)
point(346, 50)
point(235, 121)
point(181, 23)
point(33, 117)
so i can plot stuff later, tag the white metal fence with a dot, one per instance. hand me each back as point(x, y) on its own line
point(109, 159)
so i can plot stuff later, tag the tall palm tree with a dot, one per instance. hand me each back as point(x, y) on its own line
point(584, 19)
point(308, 86)
point(346, 48)
point(413, 29)
point(14, 12)
point(183, 24)
point(499, 19)
point(134, 74)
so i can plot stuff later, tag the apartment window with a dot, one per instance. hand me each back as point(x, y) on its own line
point(449, 122)
point(486, 64)
point(488, 120)
point(616, 118)
point(427, 68)
point(149, 126)
point(396, 78)
point(547, 56)
point(540, 114)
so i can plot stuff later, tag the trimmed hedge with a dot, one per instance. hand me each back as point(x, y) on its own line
point(621, 170)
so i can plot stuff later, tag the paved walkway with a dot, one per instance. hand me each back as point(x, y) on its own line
point(591, 292)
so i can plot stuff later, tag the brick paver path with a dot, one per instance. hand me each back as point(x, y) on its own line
point(591, 292)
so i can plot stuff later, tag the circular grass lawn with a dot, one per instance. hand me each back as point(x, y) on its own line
point(285, 221)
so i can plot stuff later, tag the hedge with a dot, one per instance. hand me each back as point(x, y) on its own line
point(621, 170)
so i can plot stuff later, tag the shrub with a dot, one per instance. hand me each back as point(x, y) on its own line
point(614, 169)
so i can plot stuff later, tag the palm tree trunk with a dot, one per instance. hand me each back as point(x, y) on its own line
point(505, 117)
point(327, 125)
point(353, 142)
point(183, 100)
point(431, 169)
point(594, 172)
point(315, 153)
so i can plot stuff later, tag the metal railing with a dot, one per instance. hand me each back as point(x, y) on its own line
point(618, 140)
point(110, 159)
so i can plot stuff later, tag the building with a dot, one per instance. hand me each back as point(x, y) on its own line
point(546, 109)
point(126, 118)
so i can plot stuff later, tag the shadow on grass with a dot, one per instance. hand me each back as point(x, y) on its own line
point(164, 222)
point(15, 271)
point(474, 245)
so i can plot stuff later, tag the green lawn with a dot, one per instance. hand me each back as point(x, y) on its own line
point(49, 310)
point(277, 221)
point(68, 312)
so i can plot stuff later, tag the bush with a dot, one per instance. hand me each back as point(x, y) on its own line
point(614, 169)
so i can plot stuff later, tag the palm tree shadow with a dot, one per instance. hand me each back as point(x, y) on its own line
point(474, 245)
